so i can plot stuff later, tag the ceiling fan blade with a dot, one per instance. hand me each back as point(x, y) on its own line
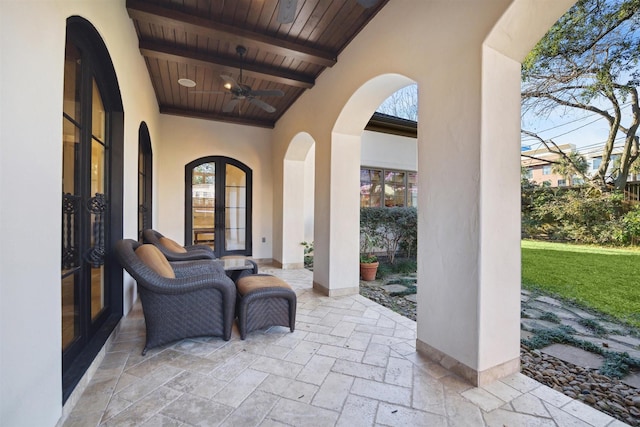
point(229, 106)
point(229, 82)
point(275, 92)
point(266, 107)
point(367, 3)
point(287, 11)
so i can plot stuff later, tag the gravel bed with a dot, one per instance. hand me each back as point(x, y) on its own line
point(608, 395)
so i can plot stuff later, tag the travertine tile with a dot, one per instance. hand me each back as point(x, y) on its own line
point(145, 408)
point(428, 394)
point(501, 418)
point(341, 353)
point(383, 392)
point(482, 398)
point(395, 415)
point(242, 386)
point(551, 396)
point(333, 391)
point(234, 366)
point(377, 355)
point(563, 419)
point(358, 341)
point(197, 411)
point(359, 370)
point(461, 412)
point(162, 421)
point(303, 352)
point(343, 329)
point(399, 372)
point(587, 413)
point(358, 411)
point(288, 388)
point(252, 411)
point(197, 384)
point(316, 370)
point(300, 414)
point(277, 367)
point(529, 404)
point(520, 382)
point(502, 391)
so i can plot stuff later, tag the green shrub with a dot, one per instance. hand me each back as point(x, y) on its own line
point(390, 229)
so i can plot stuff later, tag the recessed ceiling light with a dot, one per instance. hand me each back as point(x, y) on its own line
point(186, 82)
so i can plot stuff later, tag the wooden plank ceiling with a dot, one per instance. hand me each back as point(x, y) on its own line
point(198, 39)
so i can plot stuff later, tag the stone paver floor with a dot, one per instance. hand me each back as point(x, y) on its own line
point(350, 362)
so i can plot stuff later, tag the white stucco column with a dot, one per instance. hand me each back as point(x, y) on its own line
point(469, 222)
point(337, 218)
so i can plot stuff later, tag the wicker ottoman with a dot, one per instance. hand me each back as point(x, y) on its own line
point(262, 301)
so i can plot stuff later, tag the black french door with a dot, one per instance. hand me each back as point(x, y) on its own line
point(218, 205)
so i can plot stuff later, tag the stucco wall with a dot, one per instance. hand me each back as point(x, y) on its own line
point(389, 151)
point(32, 38)
point(184, 140)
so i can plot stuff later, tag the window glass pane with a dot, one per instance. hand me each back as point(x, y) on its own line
point(370, 187)
point(412, 189)
point(394, 188)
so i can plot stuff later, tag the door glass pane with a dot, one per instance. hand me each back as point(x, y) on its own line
point(70, 253)
point(72, 77)
point(97, 203)
point(235, 208)
point(203, 188)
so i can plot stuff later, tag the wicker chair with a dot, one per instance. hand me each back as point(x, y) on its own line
point(173, 251)
point(198, 301)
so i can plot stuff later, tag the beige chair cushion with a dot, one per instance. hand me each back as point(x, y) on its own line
point(153, 258)
point(171, 245)
point(247, 284)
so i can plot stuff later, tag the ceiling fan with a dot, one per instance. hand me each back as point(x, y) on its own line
point(240, 91)
point(287, 9)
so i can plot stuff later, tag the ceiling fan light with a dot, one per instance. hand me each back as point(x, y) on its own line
point(186, 82)
point(227, 85)
point(367, 3)
point(287, 11)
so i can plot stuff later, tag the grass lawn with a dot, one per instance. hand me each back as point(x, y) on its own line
point(606, 280)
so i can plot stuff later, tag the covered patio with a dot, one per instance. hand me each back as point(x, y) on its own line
point(350, 362)
point(464, 56)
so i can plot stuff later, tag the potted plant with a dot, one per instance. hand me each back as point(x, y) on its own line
point(368, 260)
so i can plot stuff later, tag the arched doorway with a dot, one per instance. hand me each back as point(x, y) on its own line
point(91, 280)
point(218, 204)
point(298, 193)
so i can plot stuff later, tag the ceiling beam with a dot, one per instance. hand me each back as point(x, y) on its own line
point(224, 64)
point(270, 124)
point(214, 29)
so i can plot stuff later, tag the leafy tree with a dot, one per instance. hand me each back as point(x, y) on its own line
point(570, 165)
point(588, 62)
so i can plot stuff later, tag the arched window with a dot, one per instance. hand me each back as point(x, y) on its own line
point(92, 140)
point(218, 205)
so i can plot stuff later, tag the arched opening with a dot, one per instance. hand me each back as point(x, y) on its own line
point(91, 279)
point(145, 180)
point(298, 194)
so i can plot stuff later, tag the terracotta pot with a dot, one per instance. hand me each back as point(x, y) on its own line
point(368, 270)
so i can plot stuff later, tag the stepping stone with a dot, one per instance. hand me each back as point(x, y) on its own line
point(632, 341)
point(576, 326)
point(581, 313)
point(611, 345)
point(412, 298)
point(549, 300)
point(574, 355)
point(558, 311)
point(394, 288)
point(537, 324)
point(532, 313)
point(633, 380)
point(524, 298)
